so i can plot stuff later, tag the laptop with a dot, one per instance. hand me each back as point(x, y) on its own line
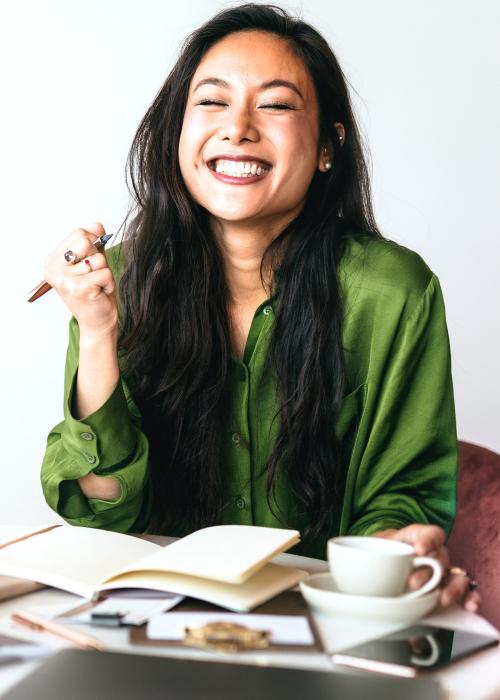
point(94, 675)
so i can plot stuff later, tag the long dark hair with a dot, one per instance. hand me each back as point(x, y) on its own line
point(175, 340)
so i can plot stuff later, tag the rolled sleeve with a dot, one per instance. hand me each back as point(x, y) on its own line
point(109, 442)
point(103, 439)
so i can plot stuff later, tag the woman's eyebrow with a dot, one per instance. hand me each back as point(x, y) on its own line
point(263, 86)
point(281, 83)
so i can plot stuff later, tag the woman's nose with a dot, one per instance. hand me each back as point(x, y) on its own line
point(238, 125)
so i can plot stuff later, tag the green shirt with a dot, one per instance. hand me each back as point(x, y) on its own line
point(396, 422)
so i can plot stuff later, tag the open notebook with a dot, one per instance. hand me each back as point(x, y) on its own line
point(227, 565)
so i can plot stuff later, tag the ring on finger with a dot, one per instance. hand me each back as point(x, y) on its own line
point(70, 257)
point(463, 572)
point(88, 264)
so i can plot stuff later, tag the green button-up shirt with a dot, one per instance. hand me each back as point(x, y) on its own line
point(396, 422)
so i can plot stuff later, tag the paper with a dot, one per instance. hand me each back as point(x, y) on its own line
point(143, 593)
point(12, 649)
point(285, 629)
point(84, 560)
point(132, 611)
point(224, 553)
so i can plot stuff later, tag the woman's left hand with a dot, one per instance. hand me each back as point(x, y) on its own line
point(428, 540)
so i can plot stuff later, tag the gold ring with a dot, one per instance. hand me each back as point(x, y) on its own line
point(463, 572)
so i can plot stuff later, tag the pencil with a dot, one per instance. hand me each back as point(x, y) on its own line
point(40, 624)
point(43, 287)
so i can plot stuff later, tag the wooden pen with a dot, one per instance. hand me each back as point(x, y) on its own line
point(43, 287)
point(40, 624)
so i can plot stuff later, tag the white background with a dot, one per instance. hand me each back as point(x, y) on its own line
point(76, 78)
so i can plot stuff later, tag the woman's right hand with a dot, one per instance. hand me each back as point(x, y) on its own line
point(87, 287)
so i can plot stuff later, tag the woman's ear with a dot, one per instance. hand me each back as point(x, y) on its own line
point(340, 132)
point(326, 155)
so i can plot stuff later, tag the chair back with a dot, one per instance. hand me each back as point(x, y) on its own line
point(474, 542)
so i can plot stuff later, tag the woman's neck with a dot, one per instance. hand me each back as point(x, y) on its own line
point(242, 251)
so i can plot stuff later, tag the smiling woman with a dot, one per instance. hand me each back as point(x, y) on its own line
point(271, 125)
point(268, 358)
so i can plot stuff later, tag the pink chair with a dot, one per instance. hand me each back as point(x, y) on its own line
point(474, 542)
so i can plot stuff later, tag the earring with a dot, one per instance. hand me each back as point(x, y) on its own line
point(328, 163)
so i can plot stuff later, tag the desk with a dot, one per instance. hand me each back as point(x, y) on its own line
point(475, 678)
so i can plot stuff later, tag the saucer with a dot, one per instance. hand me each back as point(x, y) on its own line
point(320, 592)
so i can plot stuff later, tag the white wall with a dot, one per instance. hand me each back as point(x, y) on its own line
point(75, 79)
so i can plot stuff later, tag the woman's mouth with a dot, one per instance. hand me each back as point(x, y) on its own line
point(238, 172)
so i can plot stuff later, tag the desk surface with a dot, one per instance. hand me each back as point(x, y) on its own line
point(475, 678)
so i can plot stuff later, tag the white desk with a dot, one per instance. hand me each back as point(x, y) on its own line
point(475, 678)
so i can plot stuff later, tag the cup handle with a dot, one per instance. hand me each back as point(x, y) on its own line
point(432, 658)
point(434, 580)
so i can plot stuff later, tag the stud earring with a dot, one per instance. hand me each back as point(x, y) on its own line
point(328, 165)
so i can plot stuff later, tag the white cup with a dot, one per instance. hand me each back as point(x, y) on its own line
point(374, 566)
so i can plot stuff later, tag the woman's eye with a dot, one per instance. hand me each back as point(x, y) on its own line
point(277, 105)
point(211, 102)
point(270, 105)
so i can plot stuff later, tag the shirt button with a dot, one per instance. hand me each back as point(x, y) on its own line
point(235, 438)
point(86, 436)
point(91, 459)
point(240, 502)
point(267, 310)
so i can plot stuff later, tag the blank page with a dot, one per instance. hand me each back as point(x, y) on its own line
point(73, 558)
point(230, 553)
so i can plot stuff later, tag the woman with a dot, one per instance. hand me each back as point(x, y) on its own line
point(268, 358)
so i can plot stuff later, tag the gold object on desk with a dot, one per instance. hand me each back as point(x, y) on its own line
point(226, 637)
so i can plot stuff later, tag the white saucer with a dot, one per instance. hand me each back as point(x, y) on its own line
point(321, 593)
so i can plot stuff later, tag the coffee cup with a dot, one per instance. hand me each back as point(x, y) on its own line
point(375, 566)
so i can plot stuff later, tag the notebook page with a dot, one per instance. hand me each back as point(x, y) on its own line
point(263, 585)
point(230, 553)
point(72, 558)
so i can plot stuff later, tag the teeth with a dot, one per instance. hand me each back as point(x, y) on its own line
point(239, 168)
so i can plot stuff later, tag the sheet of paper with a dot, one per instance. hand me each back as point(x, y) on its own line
point(285, 629)
point(75, 559)
point(133, 611)
point(12, 649)
point(143, 593)
point(229, 553)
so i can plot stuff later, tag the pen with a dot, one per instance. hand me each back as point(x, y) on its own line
point(40, 624)
point(43, 287)
point(27, 536)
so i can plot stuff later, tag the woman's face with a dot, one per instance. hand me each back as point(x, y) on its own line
point(249, 141)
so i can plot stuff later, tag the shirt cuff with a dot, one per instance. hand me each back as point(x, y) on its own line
point(102, 441)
